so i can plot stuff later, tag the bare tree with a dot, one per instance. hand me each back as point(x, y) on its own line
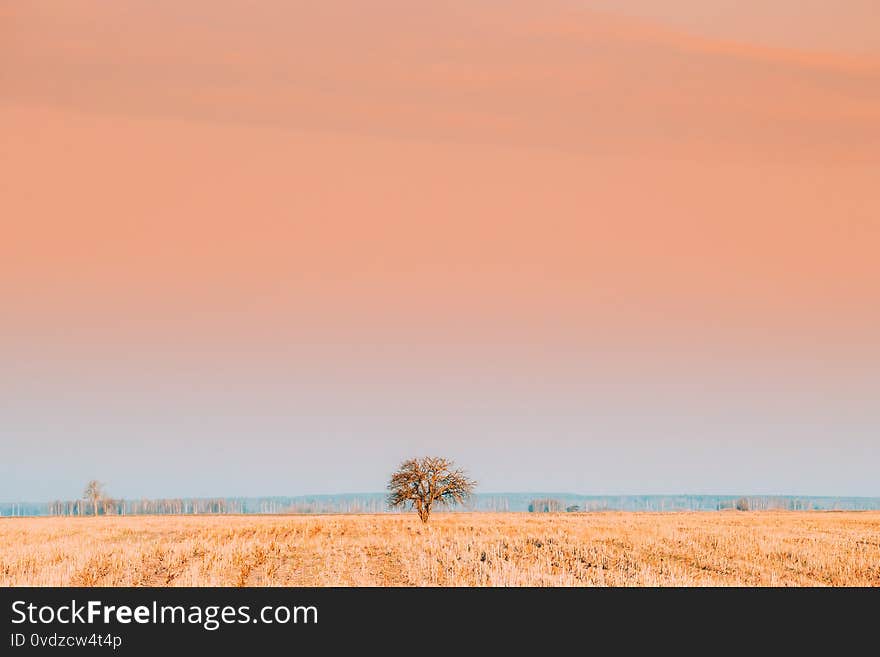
point(94, 493)
point(423, 482)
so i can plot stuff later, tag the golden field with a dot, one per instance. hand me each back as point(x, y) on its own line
point(774, 548)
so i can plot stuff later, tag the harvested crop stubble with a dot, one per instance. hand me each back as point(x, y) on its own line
point(463, 549)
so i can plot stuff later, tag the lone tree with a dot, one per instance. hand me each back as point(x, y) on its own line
point(424, 482)
point(94, 493)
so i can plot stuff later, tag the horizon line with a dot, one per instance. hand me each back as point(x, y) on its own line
point(487, 493)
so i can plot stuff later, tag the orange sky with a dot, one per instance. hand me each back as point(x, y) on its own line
point(456, 190)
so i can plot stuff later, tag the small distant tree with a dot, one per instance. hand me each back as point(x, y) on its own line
point(94, 493)
point(422, 483)
point(742, 504)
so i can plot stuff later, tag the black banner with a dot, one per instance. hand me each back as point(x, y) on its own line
point(128, 621)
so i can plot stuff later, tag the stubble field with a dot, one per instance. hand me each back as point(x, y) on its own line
point(484, 549)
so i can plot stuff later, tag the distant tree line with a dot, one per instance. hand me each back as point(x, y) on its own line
point(107, 506)
point(545, 505)
point(376, 503)
point(96, 502)
point(769, 503)
point(550, 505)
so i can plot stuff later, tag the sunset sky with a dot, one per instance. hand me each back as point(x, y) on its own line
point(587, 246)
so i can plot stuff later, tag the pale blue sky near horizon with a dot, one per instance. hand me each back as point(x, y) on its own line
point(681, 435)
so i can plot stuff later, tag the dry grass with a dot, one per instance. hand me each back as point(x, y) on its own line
point(612, 549)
